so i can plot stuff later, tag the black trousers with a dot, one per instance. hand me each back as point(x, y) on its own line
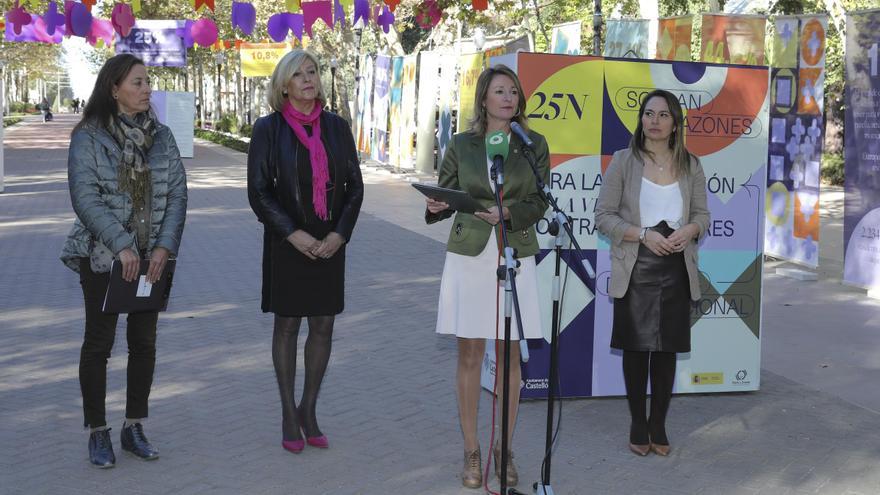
point(98, 342)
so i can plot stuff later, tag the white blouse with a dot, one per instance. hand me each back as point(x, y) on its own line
point(658, 203)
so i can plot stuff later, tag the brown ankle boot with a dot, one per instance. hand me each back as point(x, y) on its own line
point(512, 476)
point(472, 475)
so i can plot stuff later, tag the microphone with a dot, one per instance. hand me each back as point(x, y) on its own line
point(497, 147)
point(522, 134)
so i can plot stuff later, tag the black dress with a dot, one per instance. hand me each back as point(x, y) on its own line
point(654, 314)
point(295, 285)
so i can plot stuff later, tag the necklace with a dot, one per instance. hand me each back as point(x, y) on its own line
point(657, 164)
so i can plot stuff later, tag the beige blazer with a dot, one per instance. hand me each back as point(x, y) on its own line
point(618, 209)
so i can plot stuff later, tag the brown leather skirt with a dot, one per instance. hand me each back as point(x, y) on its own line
point(654, 314)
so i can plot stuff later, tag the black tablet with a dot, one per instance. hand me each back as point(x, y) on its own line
point(457, 200)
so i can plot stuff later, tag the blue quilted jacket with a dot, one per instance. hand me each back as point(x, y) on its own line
point(102, 210)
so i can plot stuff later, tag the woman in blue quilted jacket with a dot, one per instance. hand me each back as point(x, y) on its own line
point(128, 189)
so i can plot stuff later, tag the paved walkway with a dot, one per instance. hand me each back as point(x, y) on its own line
point(388, 402)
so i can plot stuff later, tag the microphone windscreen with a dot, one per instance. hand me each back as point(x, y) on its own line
point(497, 144)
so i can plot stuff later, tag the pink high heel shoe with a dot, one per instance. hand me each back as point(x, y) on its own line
point(295, 446)
point(320, 442)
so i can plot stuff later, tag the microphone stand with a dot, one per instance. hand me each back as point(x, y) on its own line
point(559, 218)
point(506, 272)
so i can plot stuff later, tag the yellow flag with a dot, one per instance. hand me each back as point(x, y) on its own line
point(259, 59)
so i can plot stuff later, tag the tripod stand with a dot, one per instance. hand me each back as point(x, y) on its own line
point(506, 272)
point(559, 219)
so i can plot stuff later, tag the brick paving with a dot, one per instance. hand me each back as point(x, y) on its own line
point(388, 402)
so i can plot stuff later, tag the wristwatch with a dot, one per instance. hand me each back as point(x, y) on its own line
point(642, 234)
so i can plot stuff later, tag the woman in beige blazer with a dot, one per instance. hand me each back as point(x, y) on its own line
point(652, 207)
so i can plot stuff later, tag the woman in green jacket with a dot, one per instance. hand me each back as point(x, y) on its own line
point(471, 299)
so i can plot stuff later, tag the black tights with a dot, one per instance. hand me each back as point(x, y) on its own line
point(637, 365)
point(317, 353)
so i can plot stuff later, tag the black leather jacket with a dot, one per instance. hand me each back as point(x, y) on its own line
point(276, 197)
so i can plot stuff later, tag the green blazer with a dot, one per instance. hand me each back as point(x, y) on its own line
point(464, 168)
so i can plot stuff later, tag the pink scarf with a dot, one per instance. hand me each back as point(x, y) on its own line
point(317, 155)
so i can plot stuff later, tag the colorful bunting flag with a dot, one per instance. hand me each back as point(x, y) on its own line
point(312, 11)
point(244, 17)
point(122, 19)
point(53, 18)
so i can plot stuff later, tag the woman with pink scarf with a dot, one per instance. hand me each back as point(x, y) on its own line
point(304, 184)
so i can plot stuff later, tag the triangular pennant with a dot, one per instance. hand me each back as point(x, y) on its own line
point(312, 11)
point(244, 17)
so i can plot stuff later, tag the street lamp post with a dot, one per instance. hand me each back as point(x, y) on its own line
point(334, 64)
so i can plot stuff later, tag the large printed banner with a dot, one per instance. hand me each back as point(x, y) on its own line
point(260, 59)
point(627, 38)
point(406, 146)
point(674, 38)
point(566, 39)
point(587, 108)
point(395, 118)
point(381, 98)
point(861, 224)
point(797, 130)
point(157, 43)
point(35, 32)
point(426, 121)
point(469, 68)
point(733, 39)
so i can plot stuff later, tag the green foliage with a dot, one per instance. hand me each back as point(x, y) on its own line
point(222, 139)
point(11, 121)
point(22, 107)
point(228, 123)
point(246, 130)
point(833, 168)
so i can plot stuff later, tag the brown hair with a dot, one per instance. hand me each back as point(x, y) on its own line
point(480, 118)
point(102, 107)
point(680, 155)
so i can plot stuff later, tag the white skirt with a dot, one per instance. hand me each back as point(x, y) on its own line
point(468, 293)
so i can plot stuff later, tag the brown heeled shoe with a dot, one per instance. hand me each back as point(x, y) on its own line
point(472, 475)
point(661, 450)
point(512, 475)
point(640, 450)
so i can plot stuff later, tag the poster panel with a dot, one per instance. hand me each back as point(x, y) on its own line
point(733, 39)
point(566, 39)
point(587, 108)
point(365, 106)
point(469, 68)
point(447, 103)
point(861, 224)
point(406, 146)
point(395, 121)
point(426, 121)
point(381, 99)
point(260, 59)
point(797, 131)
point(177, 110)
point(674, 38)
point(627, 38)
point(155, 42)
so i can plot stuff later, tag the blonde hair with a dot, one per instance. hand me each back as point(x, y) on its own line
point(283, 73)
point(480, 119)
